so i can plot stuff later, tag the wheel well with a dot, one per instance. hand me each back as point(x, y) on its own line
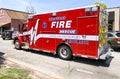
point(15, 40)
point(63, 44)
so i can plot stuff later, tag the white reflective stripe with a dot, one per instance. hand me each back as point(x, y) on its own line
point(90, 37)
point(20, 35)
point(61, 36)
point(26, 33)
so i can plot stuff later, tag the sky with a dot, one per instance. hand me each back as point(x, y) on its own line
point(41, 6)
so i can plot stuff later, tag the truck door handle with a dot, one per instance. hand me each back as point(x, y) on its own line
point(83, 36)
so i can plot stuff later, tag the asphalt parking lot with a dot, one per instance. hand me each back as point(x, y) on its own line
point(78, 68)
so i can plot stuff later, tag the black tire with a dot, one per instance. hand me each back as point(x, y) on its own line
point(10, 38)
point(3, 38)
point(64, 52)
point(17, 44)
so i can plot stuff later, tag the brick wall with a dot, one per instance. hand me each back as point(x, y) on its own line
point(15, 23)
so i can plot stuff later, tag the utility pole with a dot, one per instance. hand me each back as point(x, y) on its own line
point(29, 7)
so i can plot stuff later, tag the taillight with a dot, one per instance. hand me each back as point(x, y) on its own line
point(117, 39)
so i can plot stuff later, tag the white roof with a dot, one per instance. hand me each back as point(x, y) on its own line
point(65, 9)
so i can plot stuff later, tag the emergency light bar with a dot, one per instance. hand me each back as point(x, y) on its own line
point(54, 14)
point(93, 9)
point(88, 9)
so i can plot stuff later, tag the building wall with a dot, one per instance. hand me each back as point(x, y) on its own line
point(15, 23)
point(10, 19)
point(4, 17)
point(116, 22)
point(5, 20)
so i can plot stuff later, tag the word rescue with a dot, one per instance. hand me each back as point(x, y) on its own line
point(61, 24)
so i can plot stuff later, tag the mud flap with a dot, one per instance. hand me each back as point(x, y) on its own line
point(106, 55)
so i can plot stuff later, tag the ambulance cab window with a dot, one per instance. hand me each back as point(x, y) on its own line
point(24, 27)
point(19, 27)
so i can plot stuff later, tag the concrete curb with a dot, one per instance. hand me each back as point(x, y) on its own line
point(32, 67)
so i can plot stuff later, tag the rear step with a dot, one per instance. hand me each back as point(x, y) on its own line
point(25, 45)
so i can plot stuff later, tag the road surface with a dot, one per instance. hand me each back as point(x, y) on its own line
point(78, 68)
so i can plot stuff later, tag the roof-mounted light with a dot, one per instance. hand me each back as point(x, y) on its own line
point(94, 8)
point(54, 14)
point(88, 9)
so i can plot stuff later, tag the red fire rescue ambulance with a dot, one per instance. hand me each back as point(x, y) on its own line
point(74, 32)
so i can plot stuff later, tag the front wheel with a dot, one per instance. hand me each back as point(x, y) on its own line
point(64, 52)
point(3, 38)
point(17, 44)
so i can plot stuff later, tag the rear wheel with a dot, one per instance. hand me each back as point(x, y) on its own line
point(64, 52)
point(17, 44)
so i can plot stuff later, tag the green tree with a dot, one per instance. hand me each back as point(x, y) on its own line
point(101, 4)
